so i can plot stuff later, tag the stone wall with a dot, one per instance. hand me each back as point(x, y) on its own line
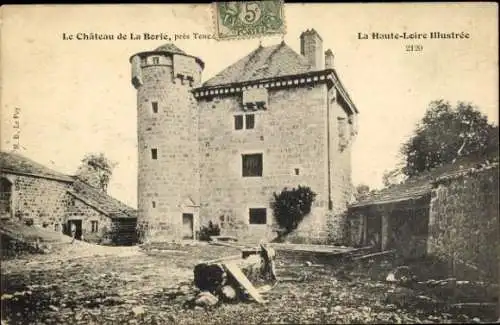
point(40, 199)
point(464, 225)
point(330, 225)
point(169, 185)
point(290, 134)
point(81, 211)
point(46, 203)
point(342, 137)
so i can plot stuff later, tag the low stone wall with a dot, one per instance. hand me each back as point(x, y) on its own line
point(464, 225)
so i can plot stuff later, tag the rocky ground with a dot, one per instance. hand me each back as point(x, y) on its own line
point(86, 284)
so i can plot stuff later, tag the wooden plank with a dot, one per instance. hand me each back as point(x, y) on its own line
point(221, 259)
point(219, 243)
point(374, 255)
point(475, 304)
point(235, 271)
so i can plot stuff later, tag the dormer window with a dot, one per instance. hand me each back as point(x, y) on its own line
point(255, 99)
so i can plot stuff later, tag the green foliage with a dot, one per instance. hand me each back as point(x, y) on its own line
point(291, 206)
point(207, 231)
point(393, 177)
point(99, 161)
point(446, 133)
point(100, 165)
point(362, 191)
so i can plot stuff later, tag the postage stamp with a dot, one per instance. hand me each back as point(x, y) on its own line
point(248, 19)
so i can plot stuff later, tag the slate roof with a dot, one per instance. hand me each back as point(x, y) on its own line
point(418, 187)
point(113, 208)
point(169, 47)
point(18, 164)
point(101, 201)
point(264, 62)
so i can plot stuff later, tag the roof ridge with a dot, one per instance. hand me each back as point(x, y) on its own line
point(118, 205)
point(50, 173)
point(282, 61)
point(273, 52)
point(253, 55)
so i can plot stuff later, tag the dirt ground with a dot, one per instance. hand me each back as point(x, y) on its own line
point(87, 284)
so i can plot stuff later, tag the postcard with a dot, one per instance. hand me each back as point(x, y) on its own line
point(249, 162)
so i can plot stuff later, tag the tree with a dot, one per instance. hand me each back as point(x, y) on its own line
point(96, 170)
point(393, 177)
point(446, 133)
point(362, 191)
point(291, 206)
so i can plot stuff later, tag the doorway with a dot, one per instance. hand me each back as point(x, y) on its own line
point(5, 198)
point(77, 226)
point(187, 226)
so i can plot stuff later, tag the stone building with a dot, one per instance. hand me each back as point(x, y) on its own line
point(217, 151)
point(450, 212)
point(36, 195)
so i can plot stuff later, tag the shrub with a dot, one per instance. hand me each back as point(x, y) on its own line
point(210, 230)
point(291, 206)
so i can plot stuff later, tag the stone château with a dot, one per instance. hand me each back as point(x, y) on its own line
point(217, 151)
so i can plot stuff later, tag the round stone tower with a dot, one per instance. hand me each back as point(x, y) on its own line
point(167, 132)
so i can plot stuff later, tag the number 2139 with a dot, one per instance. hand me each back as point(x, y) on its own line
point(414, 48)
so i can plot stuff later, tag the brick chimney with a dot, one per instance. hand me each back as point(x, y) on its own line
point(329, 59)
point(311, 46)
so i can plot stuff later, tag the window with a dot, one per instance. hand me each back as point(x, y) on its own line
point(297, 171)
point(94, 225)
point(252, 165)
point(154, 154)
point(56, 227)
point(154, 204)
point(250, 121)
point(156, 60)
point(238, 122)
point(154, 105)
point(246, 121)
point(258, 216)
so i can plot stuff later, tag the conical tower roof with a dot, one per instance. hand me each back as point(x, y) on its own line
point(169, 47)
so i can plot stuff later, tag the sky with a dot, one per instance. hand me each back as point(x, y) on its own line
point(75, 96)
